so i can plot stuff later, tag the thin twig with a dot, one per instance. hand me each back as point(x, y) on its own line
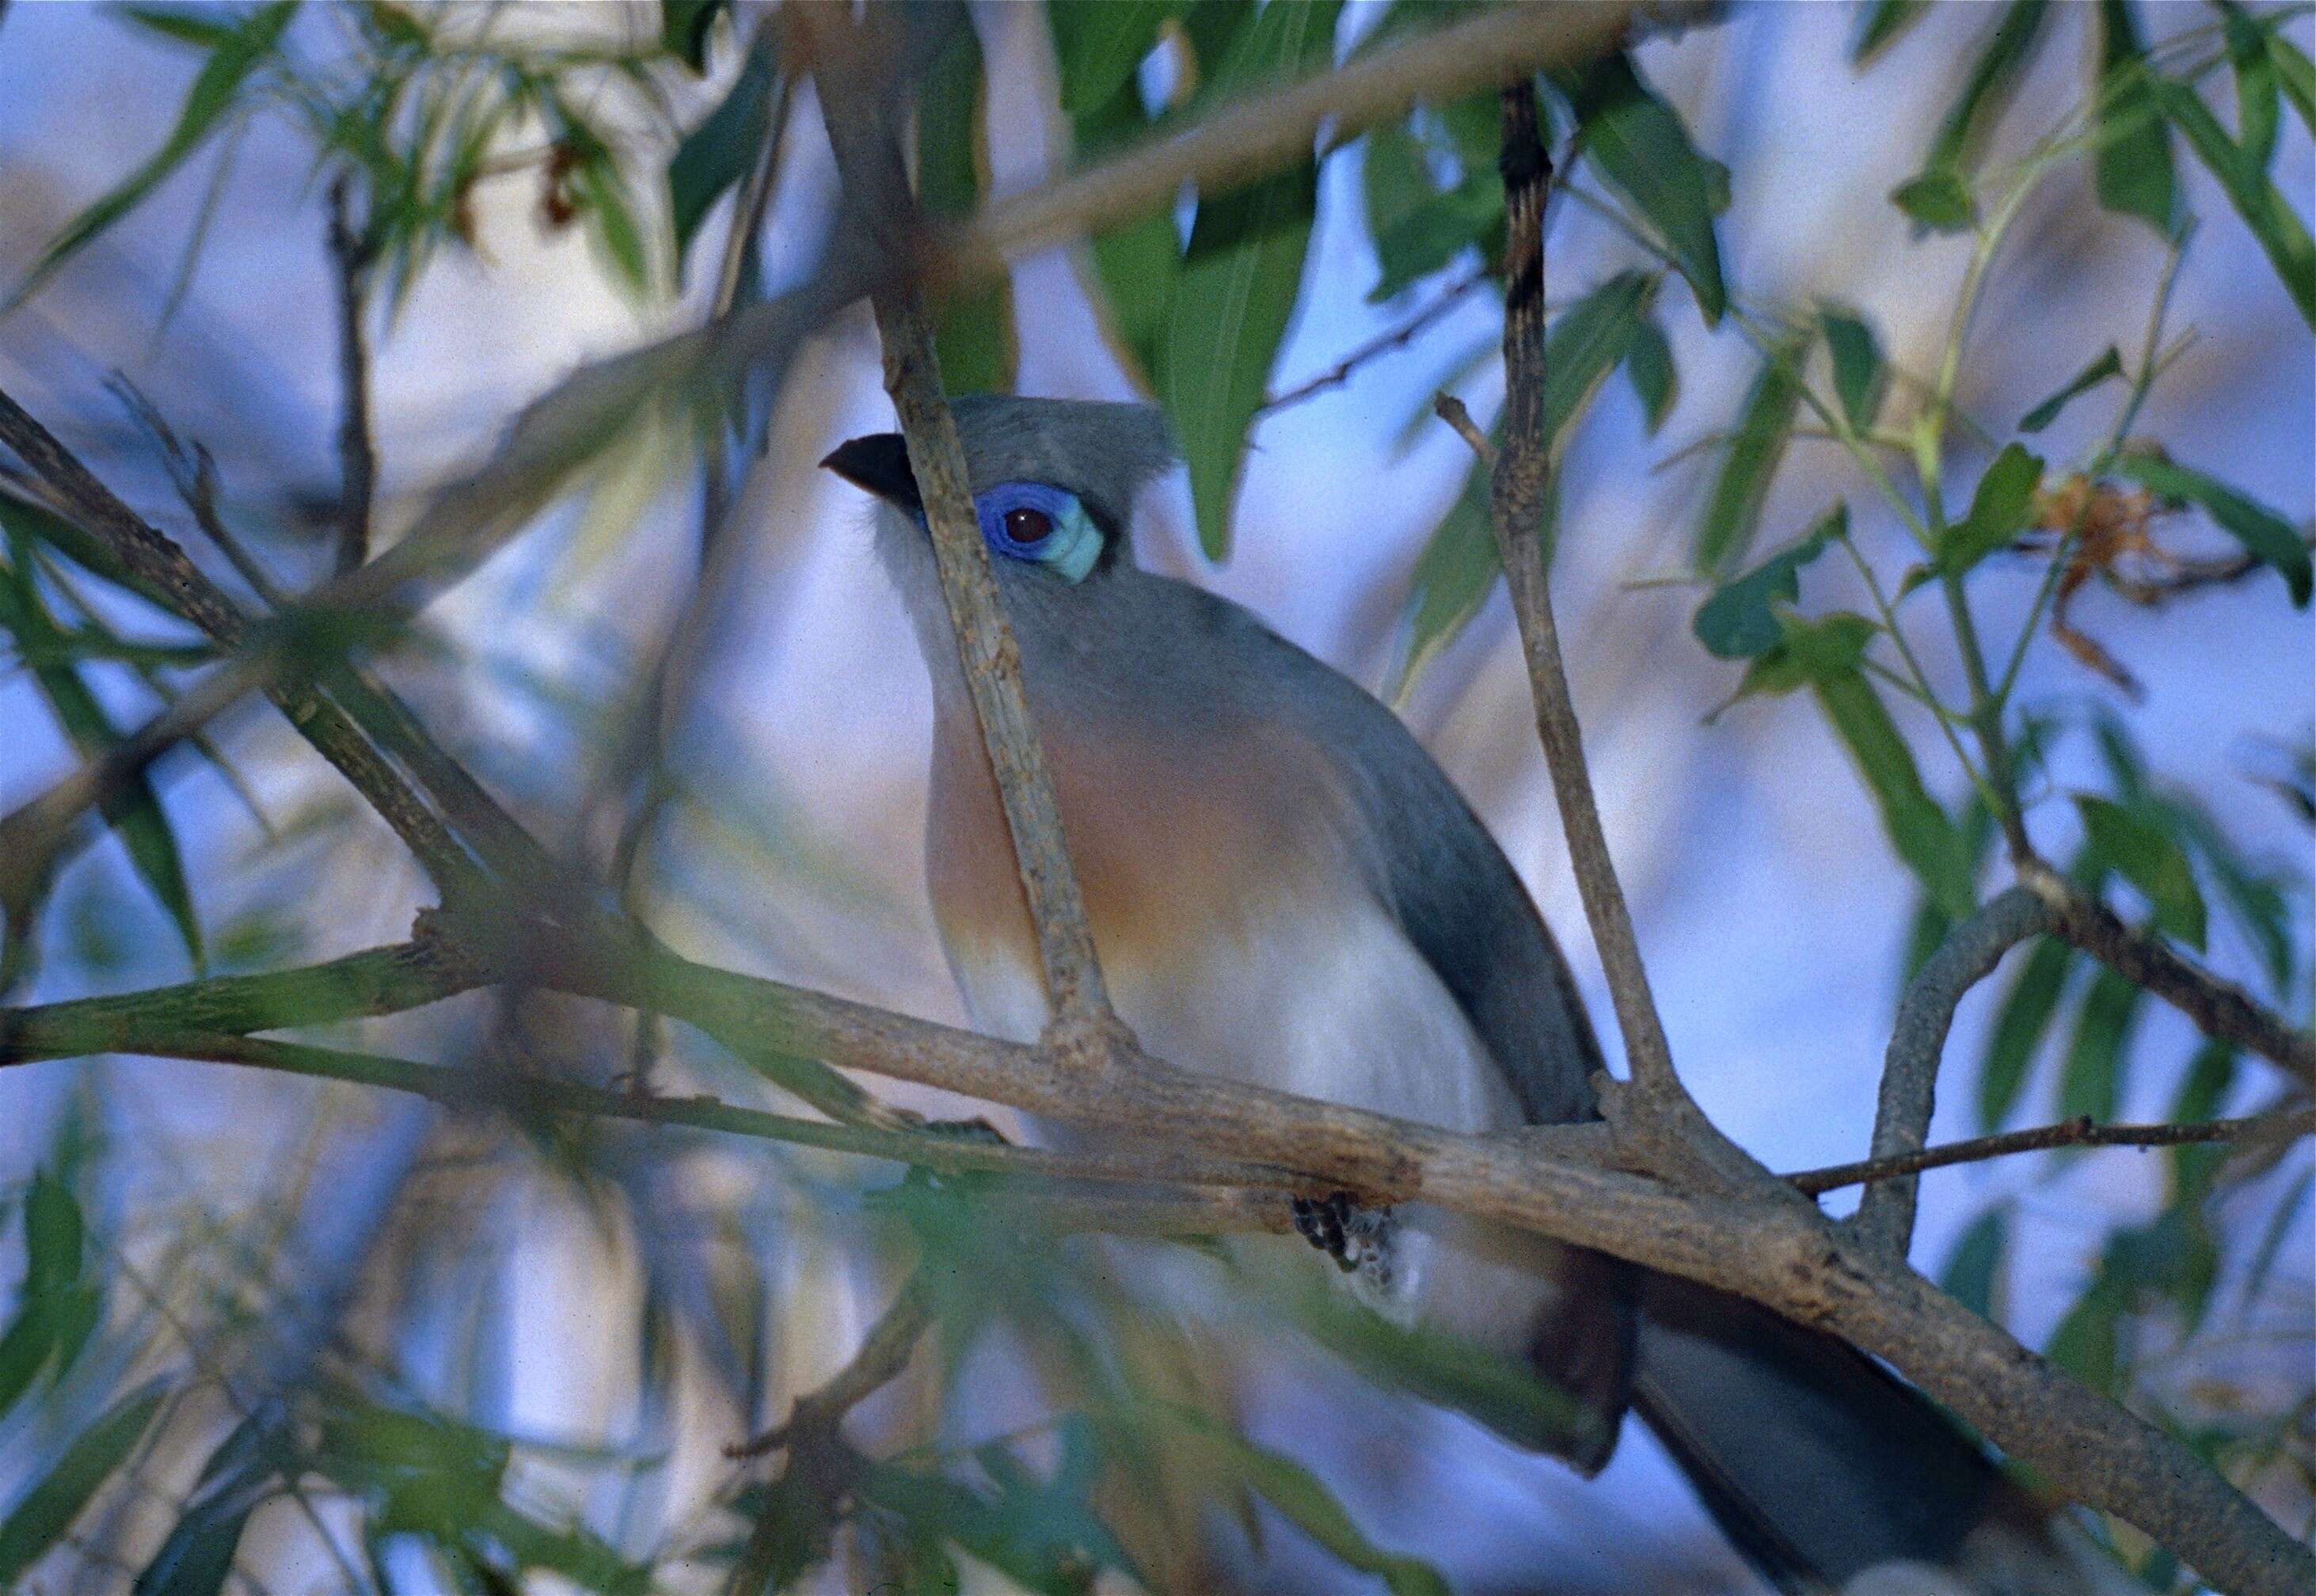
point(884, 1353)
point(350, 254)
point(855, 106)
point(1879, 1174)
point(2220, 1009)
point(1383, 343)
point(1918, 1040)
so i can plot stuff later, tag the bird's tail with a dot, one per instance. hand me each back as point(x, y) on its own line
point(1831, 1475)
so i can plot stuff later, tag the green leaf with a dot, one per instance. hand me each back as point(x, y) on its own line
point(1229, 309)
point(2026, 1014)
point(1455, 573)
point(1939, 199)
point(1987, 91)
point(974, 335)
point(2281, 233)
point(2209, 1077)
point(132, 810)
point(1859, 376)
point(1640, 148)
point(1808, 649)
point(721, 151)
point(684, 27)
point(2108, 365)
point(1758, 447)
point(1435, 231)
point(2254, 64)
point(2131, 168)
point(612, 212)
point(2271, 1244)
point(1648, 363)
point(1918, 828)
point(2140, 851)
point(54, 1236)
point(214, 95)
point(185, 24)
point(2294, 74)
point(48, 1510)
point(2093, 1080)
point(2258, 529)
point(1740, 620)
point(2085, 1343)
point(1881, 22)
point(1304, 1500)
point(1999, 511)
point(1395, 177)
point(1972, 1275)
point(1099, 43)
point(1585, 343)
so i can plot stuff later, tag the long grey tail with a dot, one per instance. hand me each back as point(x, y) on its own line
point(1823, 1469)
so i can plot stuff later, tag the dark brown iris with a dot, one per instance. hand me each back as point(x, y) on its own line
point(1025, 525)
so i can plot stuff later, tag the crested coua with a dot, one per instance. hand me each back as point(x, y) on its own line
point(1285, 888)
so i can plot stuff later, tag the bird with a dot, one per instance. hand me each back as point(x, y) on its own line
point(1285, 888)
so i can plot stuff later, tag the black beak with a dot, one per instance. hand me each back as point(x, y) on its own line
point(879, 463)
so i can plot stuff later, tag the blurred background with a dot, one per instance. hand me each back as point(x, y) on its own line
point(618, 1305)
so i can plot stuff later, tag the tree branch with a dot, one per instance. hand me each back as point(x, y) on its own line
point(2220, 1009)
point(2079, 1132)
point(1383, 343)
point(357, 452)
point(852, 100)
point(1918, 1041)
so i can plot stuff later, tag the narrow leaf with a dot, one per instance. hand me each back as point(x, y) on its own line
point(684, 27)
point(1859, 375)
point(213, 94)
point(2281, 233)
point(2026, 1014)
point(1972, 1275)
point(1918, 828)
point(2200, 1096)
point(1740, 620)
point(1099, 43)
point(721, 151)
point(2093, 1082)
point(2143, 855)
point(1999, 509)
point(2257, 528)
point(1230, 307)
point(973, 334)
point(1648, 363)
point(1880, 23)
point(1987, 91)
point(48, 1510)
point(1764, 426)
point(2296, 74)
point(2107, 366)
point(1641, 149)
point(2131, 169)
point(2257, 113)
point(1433, 232)
point(1454, 575)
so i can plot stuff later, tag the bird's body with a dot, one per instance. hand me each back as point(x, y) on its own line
point(1284, 888)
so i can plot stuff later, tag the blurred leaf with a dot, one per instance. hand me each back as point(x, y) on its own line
point(2255, 900)
point(1971, 119)
point(55, 1235)
point(1809, 648)
point(2257, 528)
point(2132, 163)
point(1764, 426)
point(2257, 113)
point(2142, 854)
point(2171, 1256)
point(133, 810)
point(1395, 176)
point(1972, 1275)
point(973, 333)
point(1043, 1534)
point(1641, 149)
point(722, 150)
point(1099, 43)
point(197, 1555)
point(1859, 376)
point(1454, 576)
point(186, 24)
point(2273, 222)
point(2093, 1081)
point(1585, 343)
point(684, 27)
point(1740, 620)
point(2294, 74)
point(1940, 199)
point(2201, 1093)
point(1880, 23)
point(1648, 363)
point(1434, 231)
point(1229, 309)
point(1304, 1500)
point(46, 1512)
point(2085, 1343)
point(2271, 1243)
point(2109, 365)
point(611, 209)
point(1999, 510)
point(1918, 828)
point(1931, 925)
point(214, 94)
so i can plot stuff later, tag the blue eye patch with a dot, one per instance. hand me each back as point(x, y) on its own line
point(1040, 524)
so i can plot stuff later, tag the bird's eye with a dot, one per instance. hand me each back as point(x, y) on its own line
point(1028, 524)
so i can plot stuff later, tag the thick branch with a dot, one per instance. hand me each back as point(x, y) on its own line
point(2080, 1132)
point(868, 159)
point(1918, 1041)
point(2220, 1009)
